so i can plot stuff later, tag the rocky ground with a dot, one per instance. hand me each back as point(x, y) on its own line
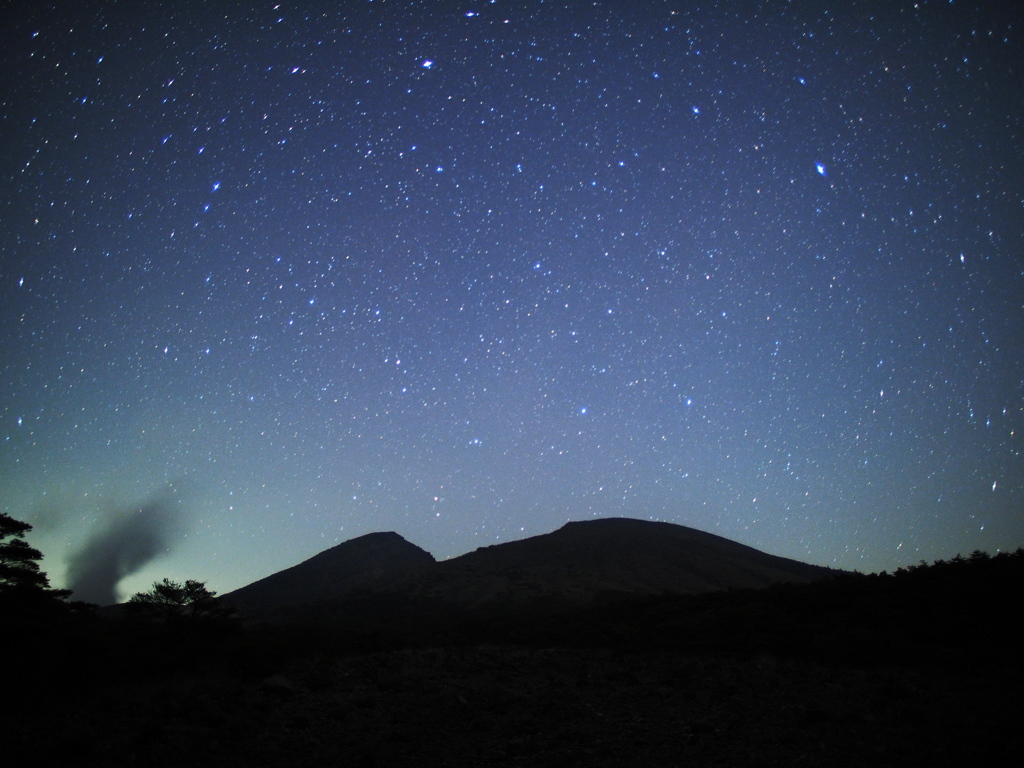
point(510, 706)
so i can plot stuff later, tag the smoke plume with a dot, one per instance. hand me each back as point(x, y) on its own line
point(135, 536)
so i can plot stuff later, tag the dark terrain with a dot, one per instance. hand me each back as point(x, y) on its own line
point(598, 560)
point(650, 656)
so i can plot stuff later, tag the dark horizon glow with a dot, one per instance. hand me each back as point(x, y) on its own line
point(467, 271)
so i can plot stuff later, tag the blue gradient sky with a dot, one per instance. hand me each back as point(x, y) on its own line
point(469, 270)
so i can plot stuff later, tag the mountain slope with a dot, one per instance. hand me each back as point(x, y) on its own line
point(583, 560)
point(356, 563)
point(578, 563)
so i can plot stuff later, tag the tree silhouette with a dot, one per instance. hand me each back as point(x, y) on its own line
point(19, 563)
point(169, 601)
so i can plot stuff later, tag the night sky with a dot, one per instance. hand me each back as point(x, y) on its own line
point(272, 279)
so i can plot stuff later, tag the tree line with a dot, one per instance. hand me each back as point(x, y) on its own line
point(24, 586)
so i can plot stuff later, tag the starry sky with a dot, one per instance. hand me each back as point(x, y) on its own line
point(276, 275)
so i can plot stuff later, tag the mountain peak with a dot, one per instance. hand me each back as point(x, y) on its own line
point(347, 566)
point(570, 566)
point(583, 559)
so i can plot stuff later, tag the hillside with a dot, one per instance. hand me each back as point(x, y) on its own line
point(335, 572)
point(573, 566)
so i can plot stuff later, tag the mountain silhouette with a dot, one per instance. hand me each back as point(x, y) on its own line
point(582, 560)
point(572, 566)
point(333, 573)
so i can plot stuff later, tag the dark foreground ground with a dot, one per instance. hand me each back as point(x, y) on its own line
point(918, 669)
point(509, 706)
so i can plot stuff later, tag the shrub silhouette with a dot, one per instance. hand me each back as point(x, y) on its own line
point(170, 602)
